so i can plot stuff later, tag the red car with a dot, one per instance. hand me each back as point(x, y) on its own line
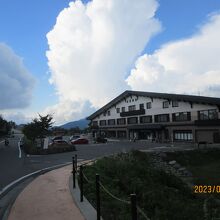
point(80, 141)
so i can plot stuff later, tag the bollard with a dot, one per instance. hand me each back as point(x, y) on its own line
point(74, 173)
point(81, 182)
point(98, 197)
point(133, 206)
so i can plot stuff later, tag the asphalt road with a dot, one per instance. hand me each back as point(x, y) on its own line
point(13, 167)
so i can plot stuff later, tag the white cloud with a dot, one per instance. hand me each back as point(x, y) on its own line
point(65, 111)
point(16, 83)
point(91, 48)
point(185, 66)
point(18, 117)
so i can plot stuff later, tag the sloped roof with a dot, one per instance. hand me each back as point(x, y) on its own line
point(168, 96)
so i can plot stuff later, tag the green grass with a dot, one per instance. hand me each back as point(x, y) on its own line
point(160, 195)
point(204, 164)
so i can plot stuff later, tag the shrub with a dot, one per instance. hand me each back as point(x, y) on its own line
point(160, 195)
point(30, 148)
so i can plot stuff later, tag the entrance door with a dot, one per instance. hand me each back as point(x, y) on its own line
point(145, 135)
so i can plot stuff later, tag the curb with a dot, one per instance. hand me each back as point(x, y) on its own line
point(85, 207)
point(10, 186)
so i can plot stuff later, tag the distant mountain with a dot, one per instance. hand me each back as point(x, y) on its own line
point(82, 123)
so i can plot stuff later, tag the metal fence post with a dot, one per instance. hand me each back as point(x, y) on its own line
point(133, 206)
point(81, 183)
point(74, 173)
point(98, 197)
point(76, 162)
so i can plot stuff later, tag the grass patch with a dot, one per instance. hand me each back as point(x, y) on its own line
point(204, 164)
point(162, 196)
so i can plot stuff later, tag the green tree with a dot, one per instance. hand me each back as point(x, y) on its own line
point(5, 126)
point(38, 128)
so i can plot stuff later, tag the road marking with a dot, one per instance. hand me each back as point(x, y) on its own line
point(19, 149)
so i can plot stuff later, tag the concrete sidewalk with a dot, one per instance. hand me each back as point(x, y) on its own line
point(48, 197)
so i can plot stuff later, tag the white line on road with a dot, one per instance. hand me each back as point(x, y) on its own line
point(19, 149)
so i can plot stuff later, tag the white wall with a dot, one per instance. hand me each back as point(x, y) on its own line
point(156, 107)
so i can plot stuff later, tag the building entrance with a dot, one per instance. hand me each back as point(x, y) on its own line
point(145, 135)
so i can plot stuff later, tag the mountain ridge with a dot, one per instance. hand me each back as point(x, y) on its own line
point(82, 124)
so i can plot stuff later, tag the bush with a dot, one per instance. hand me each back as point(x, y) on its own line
point(160, 195)
point(29, 147)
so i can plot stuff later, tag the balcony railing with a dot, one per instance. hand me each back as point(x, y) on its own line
point(214, 122)
point(132, 113)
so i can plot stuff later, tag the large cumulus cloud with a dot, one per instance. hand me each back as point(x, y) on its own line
point(92, 47)
point(16, 83)
point(185, 66)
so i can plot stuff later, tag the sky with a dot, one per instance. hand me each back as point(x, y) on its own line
point(69, 58)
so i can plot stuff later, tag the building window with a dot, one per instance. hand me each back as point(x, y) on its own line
point(141, 106)
point(118, 110)
point(123, 109)
point(102, 123)
point(181, 116)
point(148, 105)
point(162, 118)
point(95, 123)
point(208, 114)
point(121, 121)
point(166, 104)
point(104, 114)
point(111, 122)
point(133, 120)
point(146, 119)
point(183, 135)
point(175, 104)
point(131, 108)
point(109, 113)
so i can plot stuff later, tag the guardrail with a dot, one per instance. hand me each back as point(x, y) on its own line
point(135, 209)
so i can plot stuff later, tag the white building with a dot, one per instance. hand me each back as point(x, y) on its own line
point(159, 116)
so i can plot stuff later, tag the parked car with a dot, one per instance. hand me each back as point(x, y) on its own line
point(80, 141)
point(57, 138)
point(100, 140)
point(74, 137)
point(58, 142)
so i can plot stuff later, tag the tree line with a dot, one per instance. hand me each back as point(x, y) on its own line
point(43, 126)
point(5, 126)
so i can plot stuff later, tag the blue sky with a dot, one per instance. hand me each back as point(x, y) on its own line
point(24, 25)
